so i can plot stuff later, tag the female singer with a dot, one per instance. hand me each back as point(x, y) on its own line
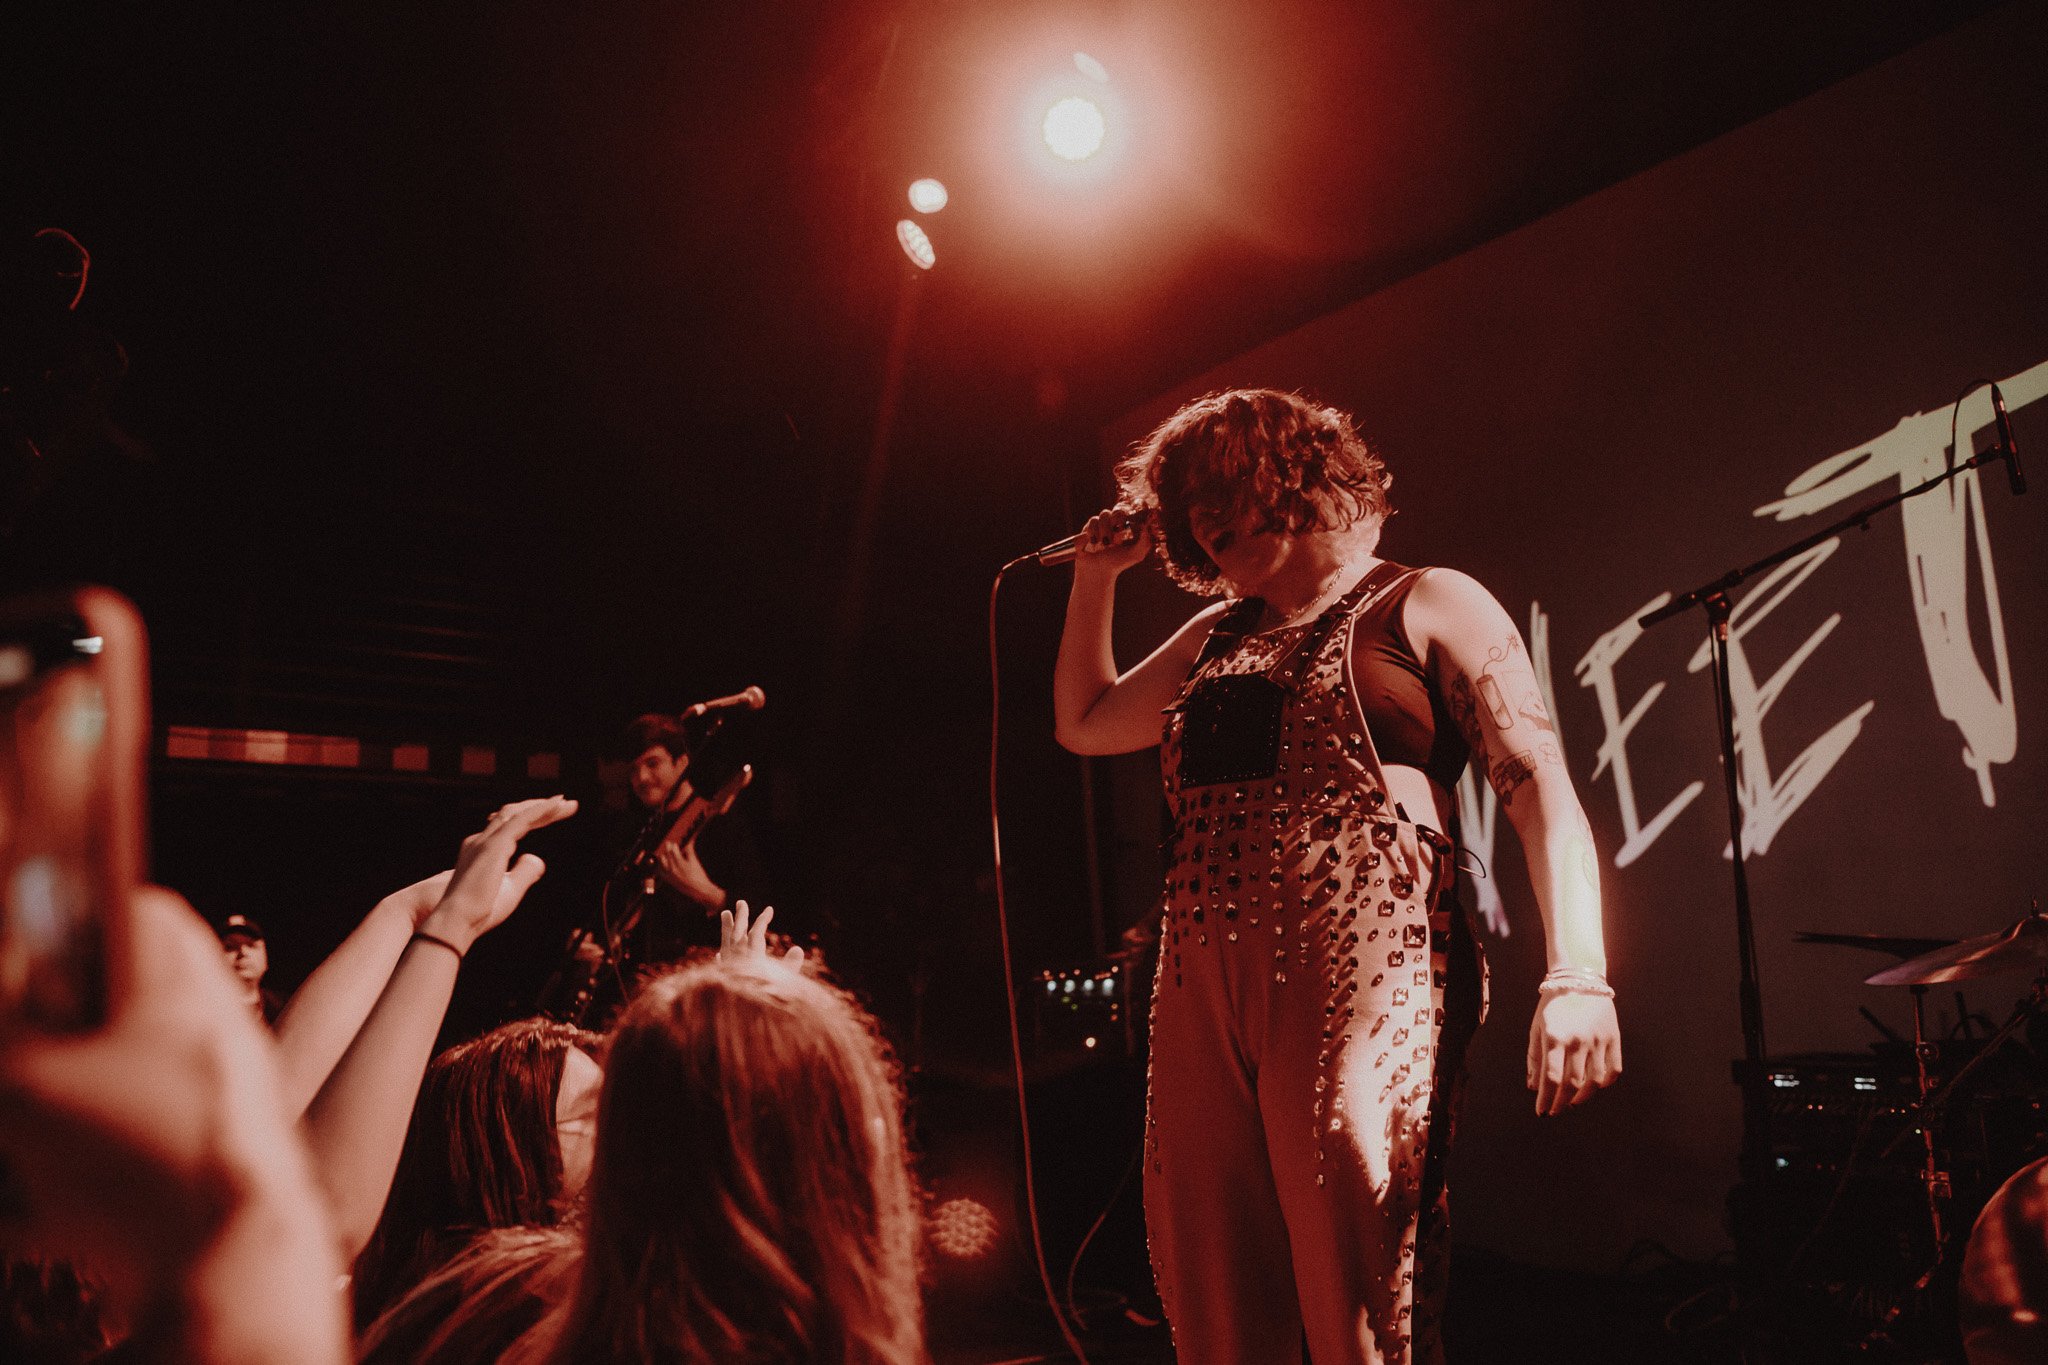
point(1317, 979)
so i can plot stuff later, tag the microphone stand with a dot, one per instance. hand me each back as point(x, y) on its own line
point(1712, 597)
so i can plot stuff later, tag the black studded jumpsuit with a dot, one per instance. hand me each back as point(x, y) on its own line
point(1317, 983)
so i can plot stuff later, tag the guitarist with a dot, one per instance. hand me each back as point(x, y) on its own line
point(683, 911)
point(687, 894)
point(660, 910)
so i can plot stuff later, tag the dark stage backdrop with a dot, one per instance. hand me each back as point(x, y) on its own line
point(1661, 382)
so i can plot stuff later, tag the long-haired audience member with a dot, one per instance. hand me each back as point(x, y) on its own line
point(500, 1138)
point(749, 1198)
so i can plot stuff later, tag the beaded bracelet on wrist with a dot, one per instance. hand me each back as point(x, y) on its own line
point(1575, 981)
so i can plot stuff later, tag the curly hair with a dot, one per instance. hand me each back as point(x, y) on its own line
point(1293, 464)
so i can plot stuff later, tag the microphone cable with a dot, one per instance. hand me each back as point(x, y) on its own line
point(995, 733)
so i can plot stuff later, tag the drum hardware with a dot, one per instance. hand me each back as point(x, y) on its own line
point(1933, 1105)
point(2022, 946)
point(1932, 1176)
point(1935, 1181)
point(1869, 1156)
point(1898, 947)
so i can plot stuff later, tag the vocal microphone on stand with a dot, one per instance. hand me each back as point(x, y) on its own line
point(752, 699)
point(2008, 449)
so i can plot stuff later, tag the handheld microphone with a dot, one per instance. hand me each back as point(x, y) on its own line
point(753, 699)
point(1060, 552)
point(1067, 550)
point(2006, 445)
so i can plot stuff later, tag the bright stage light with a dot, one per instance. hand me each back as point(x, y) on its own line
point(1091, 68)
point(1074, 128)
point(927, 195)
point(916, 245)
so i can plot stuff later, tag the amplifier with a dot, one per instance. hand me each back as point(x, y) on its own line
point(1822, 1103)
point(1086, 1009)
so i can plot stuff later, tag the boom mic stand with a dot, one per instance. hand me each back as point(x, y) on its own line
point(1713, 598)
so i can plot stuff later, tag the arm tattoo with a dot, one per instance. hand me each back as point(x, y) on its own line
point(1504, 694)
point(1496, 704)
point(1508, 775)
point(1465, 713)
point(1589, 854)
point(1589, 867)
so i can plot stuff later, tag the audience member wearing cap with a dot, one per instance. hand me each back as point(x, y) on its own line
point(241, 938)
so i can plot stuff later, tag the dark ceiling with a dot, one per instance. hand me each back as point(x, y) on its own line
point(505, 369)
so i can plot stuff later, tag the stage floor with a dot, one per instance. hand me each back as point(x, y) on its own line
point(1501, 1313)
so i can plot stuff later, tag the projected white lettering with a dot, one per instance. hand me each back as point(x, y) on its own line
point(1944, 529)
point(1477, 809)
point(1596, 670)
point(1945, 535)
point(1768, 802)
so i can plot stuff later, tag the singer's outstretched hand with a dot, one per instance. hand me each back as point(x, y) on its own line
point(1115, 539)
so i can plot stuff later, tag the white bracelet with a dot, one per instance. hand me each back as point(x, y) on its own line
point(1575, 981)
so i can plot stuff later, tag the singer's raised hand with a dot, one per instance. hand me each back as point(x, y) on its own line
point(1115, 539)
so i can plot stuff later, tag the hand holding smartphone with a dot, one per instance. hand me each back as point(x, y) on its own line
point(74, 736)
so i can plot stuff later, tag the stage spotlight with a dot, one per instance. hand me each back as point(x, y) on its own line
point(963, 1229)
point(1074, 128)
point(916, 245)
point(927, 195)
point(1090, 68)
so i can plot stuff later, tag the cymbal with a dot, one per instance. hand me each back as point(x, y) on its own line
point(2023, 947)
point(1883, 943)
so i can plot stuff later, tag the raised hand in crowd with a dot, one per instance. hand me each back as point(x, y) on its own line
point(356, 1123)
point(743, 942)
point(322, 1017)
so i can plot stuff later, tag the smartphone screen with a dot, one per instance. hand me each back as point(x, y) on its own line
point(70, 783)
